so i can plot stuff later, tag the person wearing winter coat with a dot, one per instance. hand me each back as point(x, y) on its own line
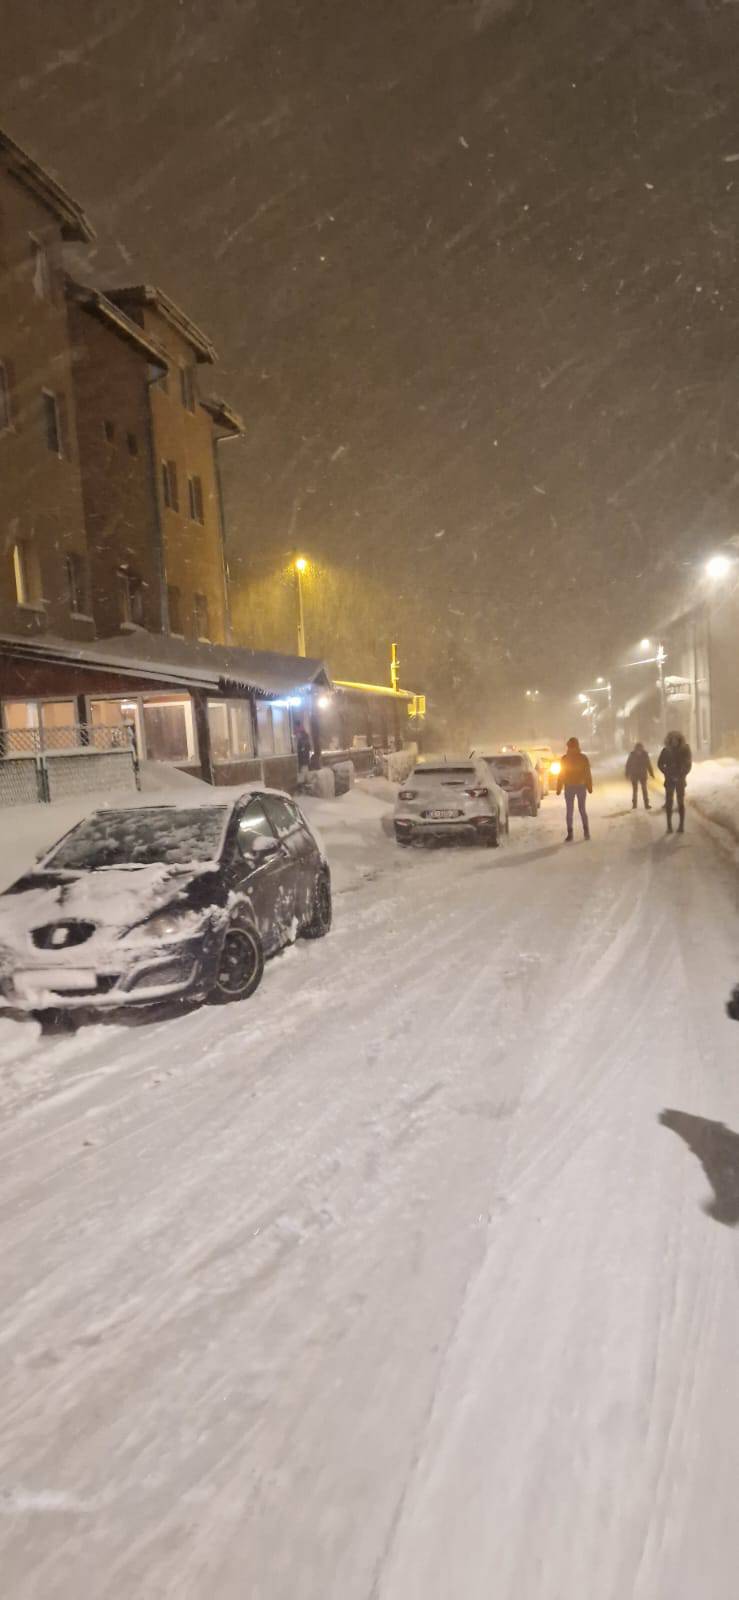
point(638, 769)
point(302, 747)
point(675, 761)
point(576, 779)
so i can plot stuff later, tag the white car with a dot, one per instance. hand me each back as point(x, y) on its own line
point(451, 798)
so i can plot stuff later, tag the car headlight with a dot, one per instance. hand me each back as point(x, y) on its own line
point(555, 769)
point(165, 925)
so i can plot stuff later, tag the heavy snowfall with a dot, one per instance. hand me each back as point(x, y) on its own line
point(414, 1277)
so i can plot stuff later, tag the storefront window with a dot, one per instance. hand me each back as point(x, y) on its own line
point(40, 724)
point(58, 723)
point(264, 728)
point(168, 730)
point(231, 737)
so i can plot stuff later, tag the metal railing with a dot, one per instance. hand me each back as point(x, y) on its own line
point(72, 736)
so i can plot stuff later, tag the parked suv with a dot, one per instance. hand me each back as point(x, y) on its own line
point(451, 799)
point(516, 775)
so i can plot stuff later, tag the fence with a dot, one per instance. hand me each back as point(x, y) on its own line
point(55, 764)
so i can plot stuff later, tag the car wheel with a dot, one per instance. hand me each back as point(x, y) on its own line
point(240, 965)
point(533, 809)
point(491, 838)
point(54, 1021)
point(320, 922)
point(404, 839)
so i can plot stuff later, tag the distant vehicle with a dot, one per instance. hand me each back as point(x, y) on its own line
point(158, 902)
point(515, 773)
point(457, 798)
point(543, 758)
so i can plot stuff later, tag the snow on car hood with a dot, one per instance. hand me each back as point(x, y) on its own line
point(114, 898)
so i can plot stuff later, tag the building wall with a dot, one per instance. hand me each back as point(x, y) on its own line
point(41, 499)
point(111, 386)
point(193, 552)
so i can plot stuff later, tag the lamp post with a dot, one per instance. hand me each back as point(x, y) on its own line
point(301, 566)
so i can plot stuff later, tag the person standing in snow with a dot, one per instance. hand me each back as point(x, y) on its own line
point(638, 769)
point(674, 762)
point(302, 748)
point(576, 779)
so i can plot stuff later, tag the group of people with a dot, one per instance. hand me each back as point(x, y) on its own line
point(674, 761)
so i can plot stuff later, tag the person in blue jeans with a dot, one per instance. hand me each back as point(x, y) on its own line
point(576, 779)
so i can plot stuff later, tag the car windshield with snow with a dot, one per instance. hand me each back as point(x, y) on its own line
point(451, 799)
point(139, 905)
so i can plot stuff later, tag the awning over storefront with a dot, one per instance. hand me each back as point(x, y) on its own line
point(227, 669)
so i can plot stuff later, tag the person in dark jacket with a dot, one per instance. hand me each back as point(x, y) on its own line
point(576, 780)
point(303, 749)
point(638, 769)
point(674, 762)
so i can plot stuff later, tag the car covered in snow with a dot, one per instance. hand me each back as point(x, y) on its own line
point(514, 771)
point(453, 797)
point(151, 903)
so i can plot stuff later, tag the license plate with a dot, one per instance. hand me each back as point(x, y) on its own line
point(66, 980)
point(440, 816)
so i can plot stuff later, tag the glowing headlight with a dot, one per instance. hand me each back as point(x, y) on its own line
point(167, 925)
point(555, 769)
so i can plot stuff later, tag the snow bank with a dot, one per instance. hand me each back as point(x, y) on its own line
point(713, 788)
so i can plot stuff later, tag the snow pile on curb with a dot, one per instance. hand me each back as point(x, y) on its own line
point(713, 788)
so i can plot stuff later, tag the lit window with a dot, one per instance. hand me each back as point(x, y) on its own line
point(195, 491)
point(6, 414)
point(169, 732)
point(174, 606)
point(264, 729)
point(41, 272)
point(26, 574)
point(187, 388)
point(51, 421)
point(231, 736)
point(75, 570)
point(130, 598)
point(169, 485)
point(202, 620)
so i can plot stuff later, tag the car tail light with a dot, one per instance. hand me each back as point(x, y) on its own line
point(477, 794)
point(407, 794)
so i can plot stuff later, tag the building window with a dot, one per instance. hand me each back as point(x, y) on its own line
point(41, 271)
point(202, 620)
point(195, 491)
point(168, 730)
point(133, 444)
point(281, 731)
point(174, 607)
point(169, 485)
point(162, 382)
point(187, 388)
point(109, 429)
point(273, 726)
point(130, 598)
point(39, 724)
point(6, 410)
point(231, 733)
point(76, 586)
point(26, 574)
point(52, 424)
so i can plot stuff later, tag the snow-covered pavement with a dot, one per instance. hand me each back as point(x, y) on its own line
point(390, 1284)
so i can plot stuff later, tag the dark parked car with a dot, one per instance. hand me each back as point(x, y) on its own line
point(155, 902)
point(733, 1004)
point(515, 773)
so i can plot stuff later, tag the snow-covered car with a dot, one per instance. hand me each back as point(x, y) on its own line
point(515, 773)
point(732, 1006)
point(543, 757)
point(154, 902)
point(451, 798)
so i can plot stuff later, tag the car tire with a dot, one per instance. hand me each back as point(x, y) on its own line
point(403, 839)
point(533, 809)
point(321, 920)
point(54, 1021)
point(491, 838)
point(240, 964)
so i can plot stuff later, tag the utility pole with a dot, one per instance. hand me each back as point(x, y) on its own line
point(300, 567)
point(394, 667)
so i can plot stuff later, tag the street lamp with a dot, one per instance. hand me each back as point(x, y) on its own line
point(301, 567)
point(718, 567)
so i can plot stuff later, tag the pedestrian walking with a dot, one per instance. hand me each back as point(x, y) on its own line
point(576, 779)
point(675, 761)
point(638, 769)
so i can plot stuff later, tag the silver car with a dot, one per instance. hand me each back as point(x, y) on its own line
point(451, 799)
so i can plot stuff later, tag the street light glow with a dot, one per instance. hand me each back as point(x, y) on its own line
point(600, 680)
point(583, 699)
point(718, 566)
point(645, 644)
point(301, 564)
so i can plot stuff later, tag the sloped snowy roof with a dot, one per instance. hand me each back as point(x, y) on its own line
point(181, 661)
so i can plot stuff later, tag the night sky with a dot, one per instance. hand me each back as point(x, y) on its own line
point(472, 271)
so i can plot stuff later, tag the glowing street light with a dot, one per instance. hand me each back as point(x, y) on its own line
point(645, 644)
point(718, 567)
point(301, 566)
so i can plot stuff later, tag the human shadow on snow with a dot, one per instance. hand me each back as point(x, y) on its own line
point(717, 1149)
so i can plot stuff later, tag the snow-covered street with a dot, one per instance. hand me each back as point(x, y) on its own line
point(391, 1284)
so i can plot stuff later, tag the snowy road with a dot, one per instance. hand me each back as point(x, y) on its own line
point(391, 1285)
